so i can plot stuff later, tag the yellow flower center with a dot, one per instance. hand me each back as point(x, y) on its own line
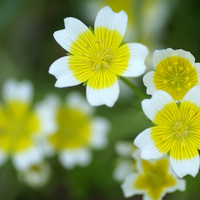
point(155, 178)
point(176, 76)
point(17, 125)
point(74, 129)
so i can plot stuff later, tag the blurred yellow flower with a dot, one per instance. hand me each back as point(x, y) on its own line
point(78, 131)
point(20, 125)
point(154, 179)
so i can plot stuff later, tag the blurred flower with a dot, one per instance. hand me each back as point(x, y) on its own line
point(175, 72)
point(20, 125)
point(78, 132)
point(125, 164)
point(177, 130)
point(36, 176)
point(98, 57)
point(154, 179)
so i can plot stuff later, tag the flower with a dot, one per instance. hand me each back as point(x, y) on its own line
point(21, 126)
point(177, 130)
point(175, 72)
point(98, 58)
point(36, 176)
point(154, 179)
point(77, 132)
point(125, 163)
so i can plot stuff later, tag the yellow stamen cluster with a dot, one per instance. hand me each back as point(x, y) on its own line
point(176, 76)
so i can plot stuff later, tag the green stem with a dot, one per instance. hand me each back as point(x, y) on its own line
point(134, 88)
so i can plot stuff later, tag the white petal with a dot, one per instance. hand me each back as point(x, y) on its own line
point(193, 95)
point(46, 111)
point(149, 83)
point(111, 20)
point(186, 166)
point(76, 100)
point(124, 148)
point(137, 65)
point(100, 128)
point(122, 170)
point(107, 96)
point(197, 67)
point(160, 55)
point(147, 146)
point(13, 90)
point(152, 106)
point(73, 28)
point(64, 75)
point(128, 186)
point(25, 159)
point(70, 158)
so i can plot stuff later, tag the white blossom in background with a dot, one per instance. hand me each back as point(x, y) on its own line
point(79, 131)
point(153, 179)
point(36, 176)
point(125, 163)
point(21, 124)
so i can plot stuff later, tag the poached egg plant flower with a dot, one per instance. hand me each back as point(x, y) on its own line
point(175, 72)
point(78, 131)
point(153, 178)
point(96, 58)
point(21, 126)
point(177, 130)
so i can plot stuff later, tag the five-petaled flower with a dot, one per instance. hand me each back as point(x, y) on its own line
point(78, 131)
point(22, 127)
point(175, 72)
point(177, 130)
point(153, 179)
point(98, 57)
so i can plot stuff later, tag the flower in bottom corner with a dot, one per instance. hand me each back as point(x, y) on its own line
point(78, 132)
point(176, 130)
point(97, 58)
point(21, 125)
point(153, 179)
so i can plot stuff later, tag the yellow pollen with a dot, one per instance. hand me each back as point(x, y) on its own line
point(192, 113)
point(175, 63)
point(181, 68)
point(188, 69)
point(187, 78)
point(165, 81)
point(189, 84)
point(178, 89)
point(169, 68)
point(173, 82)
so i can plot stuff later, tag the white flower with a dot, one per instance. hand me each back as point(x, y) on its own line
point(98, 58)
point(78, 132)
point(20, 125)
point(154, 179)
point(36, 176)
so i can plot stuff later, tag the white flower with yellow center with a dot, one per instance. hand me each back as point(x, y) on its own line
point(21, 126)
point(175, 72)
point(153, 179)
point(98, 58)
point(36, 176)
point(177, 130)
point(78, 132)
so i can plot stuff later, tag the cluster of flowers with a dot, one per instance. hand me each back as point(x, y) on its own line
point(98, 57)
point(30, 134)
